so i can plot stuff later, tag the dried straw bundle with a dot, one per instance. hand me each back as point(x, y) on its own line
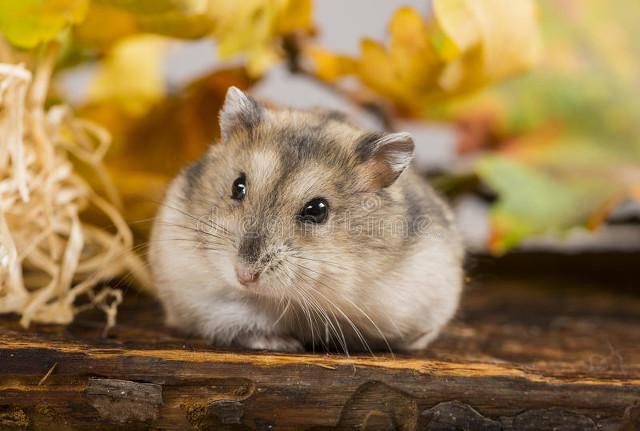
point(49, 257)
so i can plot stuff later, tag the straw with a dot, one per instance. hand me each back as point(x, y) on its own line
point(49, 255)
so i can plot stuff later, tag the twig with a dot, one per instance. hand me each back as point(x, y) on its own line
point(292, 48)
point(46, 376)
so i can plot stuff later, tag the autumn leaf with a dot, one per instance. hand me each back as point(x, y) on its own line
point(153, 7)
point(465, 45)
point(27, 23)
point(252, 27)
point(330, 66)
point(174, 18)
point(484, 40)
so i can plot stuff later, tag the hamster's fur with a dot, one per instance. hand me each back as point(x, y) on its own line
point(382, 271)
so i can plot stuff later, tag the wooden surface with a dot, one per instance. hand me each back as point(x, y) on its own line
point(534, 352)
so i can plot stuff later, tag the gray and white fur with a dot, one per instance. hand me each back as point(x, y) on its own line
point(382, 271)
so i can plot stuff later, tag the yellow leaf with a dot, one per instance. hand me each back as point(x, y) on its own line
point(504, 31)
point(465, 45)
point(458, 30)
point(26, 23)
point(132, 74)
point(411, 53)
point(408, 67)
point(330, 66)
point(376, 70)
point(152, 7)
point(93, 31)
point(175, 18)
point(252, 27)
point(296, 16)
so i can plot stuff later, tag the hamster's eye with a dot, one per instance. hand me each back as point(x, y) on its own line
point(239, 188)
point(314, 211)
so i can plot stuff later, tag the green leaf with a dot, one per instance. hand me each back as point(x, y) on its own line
point(536, 201)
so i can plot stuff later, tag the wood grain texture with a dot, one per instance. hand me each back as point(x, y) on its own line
point(528, 355)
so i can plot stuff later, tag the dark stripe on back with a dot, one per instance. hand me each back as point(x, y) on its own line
point(336, 116)
point(308, 144)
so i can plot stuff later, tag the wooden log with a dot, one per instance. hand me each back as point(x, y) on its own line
point(519, 356)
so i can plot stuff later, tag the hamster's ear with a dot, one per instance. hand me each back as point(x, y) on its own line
point(239, 111)
point(384, 157)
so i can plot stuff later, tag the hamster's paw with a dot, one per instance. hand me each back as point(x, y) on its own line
point(271, 342)
point(420, 342)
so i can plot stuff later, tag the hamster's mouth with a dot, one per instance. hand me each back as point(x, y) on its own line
point(258, 280)
point(247, 276)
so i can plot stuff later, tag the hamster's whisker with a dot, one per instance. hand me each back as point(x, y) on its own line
point(331, 263)
point(328, 262)
point(307, 313)
point(139, 221)
point(359, 309)
point(337, 281)
point(279, 291)
point(321, 313)
point(300, 307)
point(374, 324)
point(326, 321)
point(307, 310)
point(197, 231)
point(132, 222)
point(221, 234)
point(339, 310)
point(197, 242)
point(307, 282)
point(284, 311)
point(283, 283)
point(198, 220)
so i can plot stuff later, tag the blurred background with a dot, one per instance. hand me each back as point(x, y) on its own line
point(525, 114)
point(526, 117)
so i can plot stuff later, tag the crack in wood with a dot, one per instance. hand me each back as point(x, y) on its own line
point(455, 415)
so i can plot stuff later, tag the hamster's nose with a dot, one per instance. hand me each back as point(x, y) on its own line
point(246, 276)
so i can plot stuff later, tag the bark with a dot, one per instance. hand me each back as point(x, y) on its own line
point(521, 355)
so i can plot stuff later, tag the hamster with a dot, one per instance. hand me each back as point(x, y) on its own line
point(300, 230)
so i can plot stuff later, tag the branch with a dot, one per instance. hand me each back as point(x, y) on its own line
point(292, 47)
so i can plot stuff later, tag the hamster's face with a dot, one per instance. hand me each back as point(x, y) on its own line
point(284, 200)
